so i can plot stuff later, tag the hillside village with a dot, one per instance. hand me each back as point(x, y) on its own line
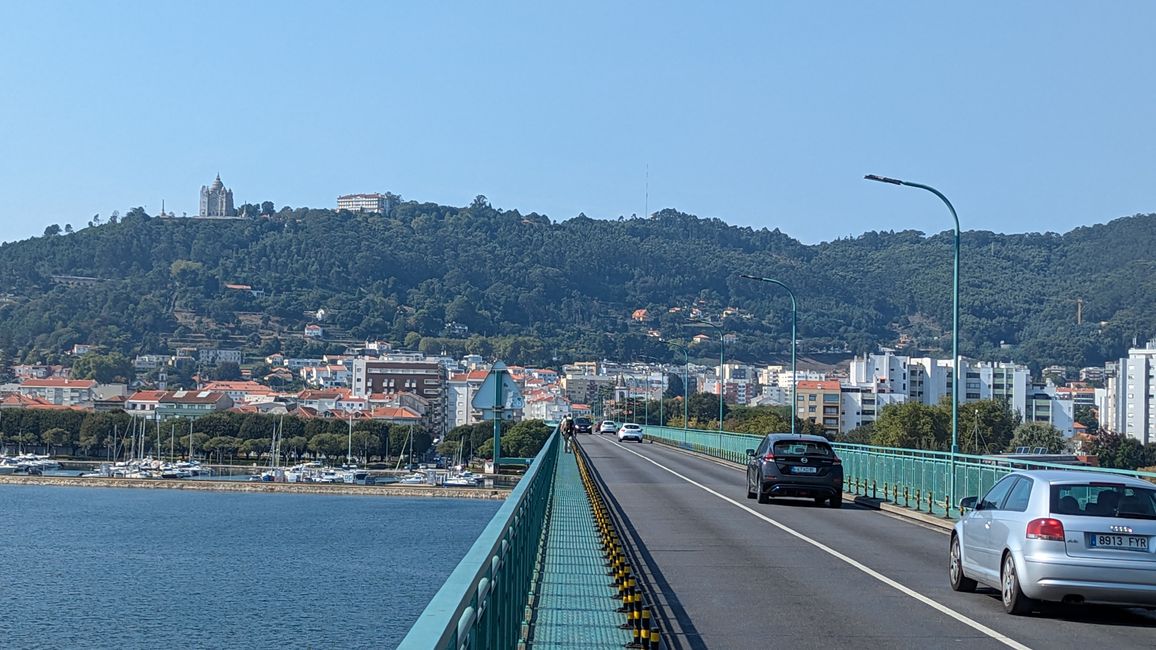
point(376, 382)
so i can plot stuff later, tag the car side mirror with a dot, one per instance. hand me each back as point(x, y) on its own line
point(750, 452)
point(967, 503)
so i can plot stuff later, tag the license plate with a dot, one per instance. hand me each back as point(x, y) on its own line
point(1126, 542)
point(799, 469)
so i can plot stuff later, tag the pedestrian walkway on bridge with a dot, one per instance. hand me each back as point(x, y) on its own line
point(574, 600)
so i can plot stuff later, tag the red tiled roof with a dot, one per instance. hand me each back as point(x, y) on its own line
point(393, 413)
point(247, 386)
point(146, 396)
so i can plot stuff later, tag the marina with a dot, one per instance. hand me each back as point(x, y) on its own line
point(397, 489)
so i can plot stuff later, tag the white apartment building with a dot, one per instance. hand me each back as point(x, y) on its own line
point(460, 391)
point(929, 380)
point(861, 405)
point(1131, 396)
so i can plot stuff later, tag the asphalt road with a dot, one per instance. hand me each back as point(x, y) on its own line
point(733, 573)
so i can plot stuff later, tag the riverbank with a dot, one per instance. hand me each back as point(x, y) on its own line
point(391, 490)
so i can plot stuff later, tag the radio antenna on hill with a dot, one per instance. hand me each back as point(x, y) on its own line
point(646, 194)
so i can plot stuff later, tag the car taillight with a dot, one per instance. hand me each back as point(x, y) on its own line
point(837, 461)
point(769, 456)
point(1046, 528)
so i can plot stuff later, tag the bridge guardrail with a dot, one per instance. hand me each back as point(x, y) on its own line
point(913, 478)
point(482, 603)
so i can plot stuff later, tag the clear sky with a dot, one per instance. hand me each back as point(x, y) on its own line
point(1030, 116)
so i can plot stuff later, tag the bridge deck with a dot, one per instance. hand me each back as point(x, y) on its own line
point(575, 608)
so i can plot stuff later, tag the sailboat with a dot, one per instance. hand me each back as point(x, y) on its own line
point(461, 477)
point(417, 477)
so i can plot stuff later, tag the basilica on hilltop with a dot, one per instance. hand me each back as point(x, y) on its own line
point(217, 201)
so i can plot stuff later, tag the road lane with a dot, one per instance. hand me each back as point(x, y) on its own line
point(735, 579)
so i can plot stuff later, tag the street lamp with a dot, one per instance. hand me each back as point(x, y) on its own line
point(721, 347)
point(955, 381)
point(794, 344)
point(685, 389)
point(647, 398)
point(954, 305)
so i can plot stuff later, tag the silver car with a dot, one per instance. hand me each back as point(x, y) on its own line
point(1059, 535)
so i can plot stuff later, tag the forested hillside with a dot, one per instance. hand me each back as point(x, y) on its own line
point(529, 290)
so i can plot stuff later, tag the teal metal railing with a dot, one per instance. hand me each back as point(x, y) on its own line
point(912, 478)
point(483, 602)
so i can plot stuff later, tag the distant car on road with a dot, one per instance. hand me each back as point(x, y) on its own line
point(607, 426)
point(785, 465)
point(583, 425)
point(1058, 535)
point(630, 431)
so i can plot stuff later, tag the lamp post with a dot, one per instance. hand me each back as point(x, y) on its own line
point(794, 345)
point(955, 370)
point(647, 398)
point(721, 348)
point(685, 389)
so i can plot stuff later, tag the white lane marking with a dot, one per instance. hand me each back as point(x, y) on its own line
point(972, 623)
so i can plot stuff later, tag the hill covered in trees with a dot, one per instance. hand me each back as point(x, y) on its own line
point(529, 290)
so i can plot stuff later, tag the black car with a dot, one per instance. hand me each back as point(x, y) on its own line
point(583, 425)
point(786, 465)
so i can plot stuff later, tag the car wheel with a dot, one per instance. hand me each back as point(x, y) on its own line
point(835, 501)
point(959, 582)
point(1014, 600)
point(759, 494)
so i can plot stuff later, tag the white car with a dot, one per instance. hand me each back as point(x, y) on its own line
point(607, 426)
point(630, 431)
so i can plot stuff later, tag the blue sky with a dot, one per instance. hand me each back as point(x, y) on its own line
point(1030, 116)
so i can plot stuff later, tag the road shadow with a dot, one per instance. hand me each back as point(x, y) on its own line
point(1086, 614)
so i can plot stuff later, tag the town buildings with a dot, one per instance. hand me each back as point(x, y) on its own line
point(1128, 405)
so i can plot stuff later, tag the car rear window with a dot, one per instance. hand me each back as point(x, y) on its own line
point(802, 448)
point(1094, 499)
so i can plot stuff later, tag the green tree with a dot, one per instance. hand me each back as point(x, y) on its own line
point(328, 445)
point(55, 437)
point(104, 368)
point(985, 426)
point(296, 446)
point(1086, 415)
point(1038, 435)
point(52, 231)
point(912, 425)
point(227, 371)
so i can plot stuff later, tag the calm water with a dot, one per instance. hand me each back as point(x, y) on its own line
point(125, 568)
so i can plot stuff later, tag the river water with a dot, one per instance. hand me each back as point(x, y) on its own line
point(136, 568)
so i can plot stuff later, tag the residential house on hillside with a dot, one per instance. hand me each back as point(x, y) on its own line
point(213, 357)
point(35, 371)
point(59, 391)
point(326, 376)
